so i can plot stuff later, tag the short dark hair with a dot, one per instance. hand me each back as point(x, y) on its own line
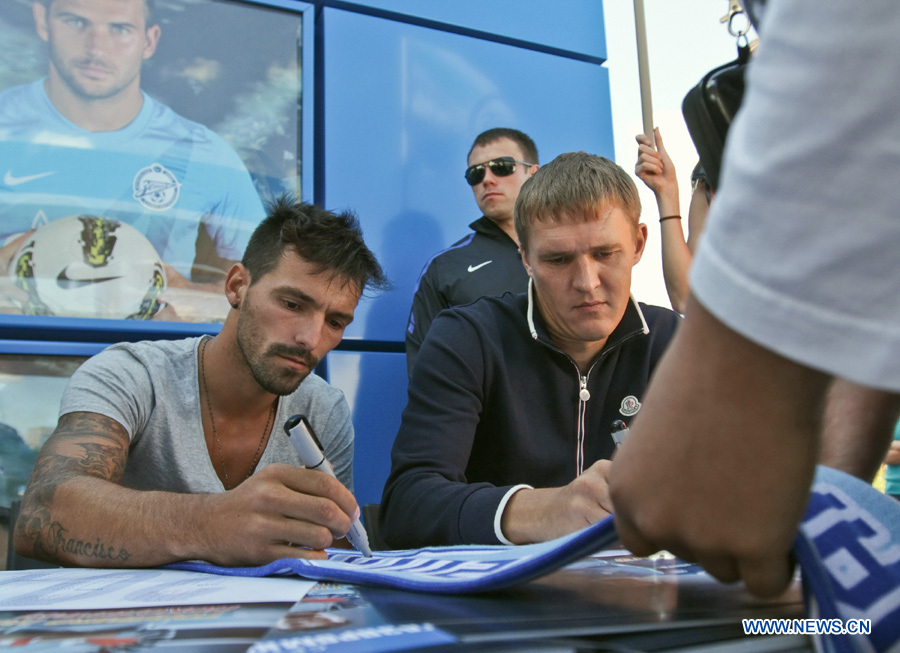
point(330, 241)
point(571, 188)
point(149, 11)
point(523, 140)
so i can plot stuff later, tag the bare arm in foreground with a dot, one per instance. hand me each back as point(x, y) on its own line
point(856, 414)
point(718, 464)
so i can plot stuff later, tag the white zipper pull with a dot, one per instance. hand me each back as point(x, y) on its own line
point(584, 394)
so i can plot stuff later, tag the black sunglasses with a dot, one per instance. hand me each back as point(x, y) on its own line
point(503, 166)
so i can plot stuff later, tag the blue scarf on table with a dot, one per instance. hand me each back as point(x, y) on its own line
point(848, 549)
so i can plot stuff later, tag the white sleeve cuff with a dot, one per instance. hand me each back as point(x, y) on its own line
point(499, 514)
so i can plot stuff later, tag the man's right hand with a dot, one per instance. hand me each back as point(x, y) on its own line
point(281, 511)
point(655, 168)
point(538, 515)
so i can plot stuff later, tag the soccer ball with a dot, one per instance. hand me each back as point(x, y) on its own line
point(89, 266)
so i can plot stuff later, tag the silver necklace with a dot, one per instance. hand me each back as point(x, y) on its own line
point(212, 421)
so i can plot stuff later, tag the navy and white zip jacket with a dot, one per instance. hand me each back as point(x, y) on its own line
point(494, 403)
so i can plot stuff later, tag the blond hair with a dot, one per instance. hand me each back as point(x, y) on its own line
point(572, 188)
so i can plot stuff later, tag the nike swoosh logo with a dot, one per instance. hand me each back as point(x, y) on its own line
point(472, 268)
point(64, 282)
point(11, 180)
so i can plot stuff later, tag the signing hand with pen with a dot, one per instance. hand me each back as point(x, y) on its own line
point(281, 511)
point(76, 512)
point(538, 515)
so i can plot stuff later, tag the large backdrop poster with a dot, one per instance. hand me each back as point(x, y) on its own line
point(139, 143)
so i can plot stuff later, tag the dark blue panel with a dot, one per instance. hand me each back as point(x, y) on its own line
point(37, 327)
point(375, 387)
point(55, 348)
point(569, 25)
point(402, 105)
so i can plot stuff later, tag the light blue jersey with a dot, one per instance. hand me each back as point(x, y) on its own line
point(162, 173)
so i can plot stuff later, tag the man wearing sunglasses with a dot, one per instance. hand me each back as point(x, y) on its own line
point(486, 262)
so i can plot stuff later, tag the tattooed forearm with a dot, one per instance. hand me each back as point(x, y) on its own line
point(58, 543)
point(83, 445)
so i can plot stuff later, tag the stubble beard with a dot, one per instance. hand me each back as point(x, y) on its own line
point(276, 381)
point(66, 72)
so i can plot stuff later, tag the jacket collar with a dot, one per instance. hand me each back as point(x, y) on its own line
point(632, 323)
point(487, 227)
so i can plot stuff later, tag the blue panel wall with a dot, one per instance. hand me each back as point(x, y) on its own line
point(574, 26)
point(375, 385)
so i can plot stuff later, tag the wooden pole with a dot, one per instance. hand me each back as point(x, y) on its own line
point(640, 30)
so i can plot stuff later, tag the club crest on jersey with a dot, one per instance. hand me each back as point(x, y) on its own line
point(156, 187)
point(630, 406)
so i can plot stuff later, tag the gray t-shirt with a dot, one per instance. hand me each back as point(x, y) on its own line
point(151, 389)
